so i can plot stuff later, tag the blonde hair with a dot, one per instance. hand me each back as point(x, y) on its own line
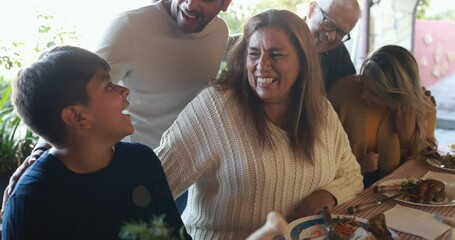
point(305, 119)
point(396, 79)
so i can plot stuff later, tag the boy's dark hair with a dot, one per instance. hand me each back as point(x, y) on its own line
point(58, 79)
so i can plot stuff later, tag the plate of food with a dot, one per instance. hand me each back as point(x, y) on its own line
point(442, 161)
point(422, 192)
point(346, 228)
point(448, 165)
point(451, 147)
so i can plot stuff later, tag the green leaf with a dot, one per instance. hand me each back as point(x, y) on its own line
point(155, 229)
point(14, 146)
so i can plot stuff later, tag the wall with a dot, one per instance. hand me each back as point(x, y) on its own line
point(434, 49)
point(391, 22)
point(431, 42)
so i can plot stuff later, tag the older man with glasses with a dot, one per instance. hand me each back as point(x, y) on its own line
point(330, 22)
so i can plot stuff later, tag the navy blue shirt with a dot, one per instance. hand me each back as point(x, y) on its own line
point(52, 202)
point(336, 64)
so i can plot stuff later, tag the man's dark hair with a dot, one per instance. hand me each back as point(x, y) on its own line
point(58, 79)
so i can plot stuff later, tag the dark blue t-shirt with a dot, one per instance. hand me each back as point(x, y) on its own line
point(336, 64)
point(52, 202)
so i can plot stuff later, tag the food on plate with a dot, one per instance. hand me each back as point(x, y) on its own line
point(452, 147)
point(409, 183)
point(348, 228)
point(427, 191)
point(345, 227)
point(378, 227)
point(420, 191)
point(447, 161)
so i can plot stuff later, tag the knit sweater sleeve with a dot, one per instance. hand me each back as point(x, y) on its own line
point(348, 178)
point(116, 46)
point(186, 148)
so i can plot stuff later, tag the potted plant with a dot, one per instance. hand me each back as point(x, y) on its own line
point(16, 141)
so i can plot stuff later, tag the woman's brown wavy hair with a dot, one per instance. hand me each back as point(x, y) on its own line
point(306, 115)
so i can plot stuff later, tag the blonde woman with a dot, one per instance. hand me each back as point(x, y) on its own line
point(385, 111)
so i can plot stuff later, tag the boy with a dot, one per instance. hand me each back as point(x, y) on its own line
point(89, 183)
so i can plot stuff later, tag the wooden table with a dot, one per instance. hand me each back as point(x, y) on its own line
point(412, 168)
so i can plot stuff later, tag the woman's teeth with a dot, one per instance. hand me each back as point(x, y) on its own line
point(264, 80)
point(125, 112)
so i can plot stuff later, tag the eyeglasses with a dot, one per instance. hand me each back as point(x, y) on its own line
point(330, 26)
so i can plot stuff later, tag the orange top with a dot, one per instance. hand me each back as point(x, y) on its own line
point(374, 119)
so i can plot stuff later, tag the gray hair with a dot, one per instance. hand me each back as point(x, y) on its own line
point(351, 5)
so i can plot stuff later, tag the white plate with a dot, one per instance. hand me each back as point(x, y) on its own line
point(449, 188)
point(437, 163)
point(312, 227)
point(451, 147)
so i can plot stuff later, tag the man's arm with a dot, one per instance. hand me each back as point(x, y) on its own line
point(37, 151)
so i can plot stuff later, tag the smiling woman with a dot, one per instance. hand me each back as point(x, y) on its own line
point(273, 66)
point(262, 124)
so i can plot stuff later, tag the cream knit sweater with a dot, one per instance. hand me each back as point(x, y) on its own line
point(234, 182)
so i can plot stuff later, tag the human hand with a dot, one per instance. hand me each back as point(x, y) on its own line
point(36, 153)
point(405, 121)
point(313, 204)
point(274, 228)
point(370, 162)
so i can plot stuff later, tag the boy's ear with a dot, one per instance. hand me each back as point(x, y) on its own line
point(76, 116)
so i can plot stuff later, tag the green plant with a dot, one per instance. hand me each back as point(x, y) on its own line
point(10, 57)
point(423, 6)
point(51, 35)
point(155, 229)
point(427, 9)
point(16, 142)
